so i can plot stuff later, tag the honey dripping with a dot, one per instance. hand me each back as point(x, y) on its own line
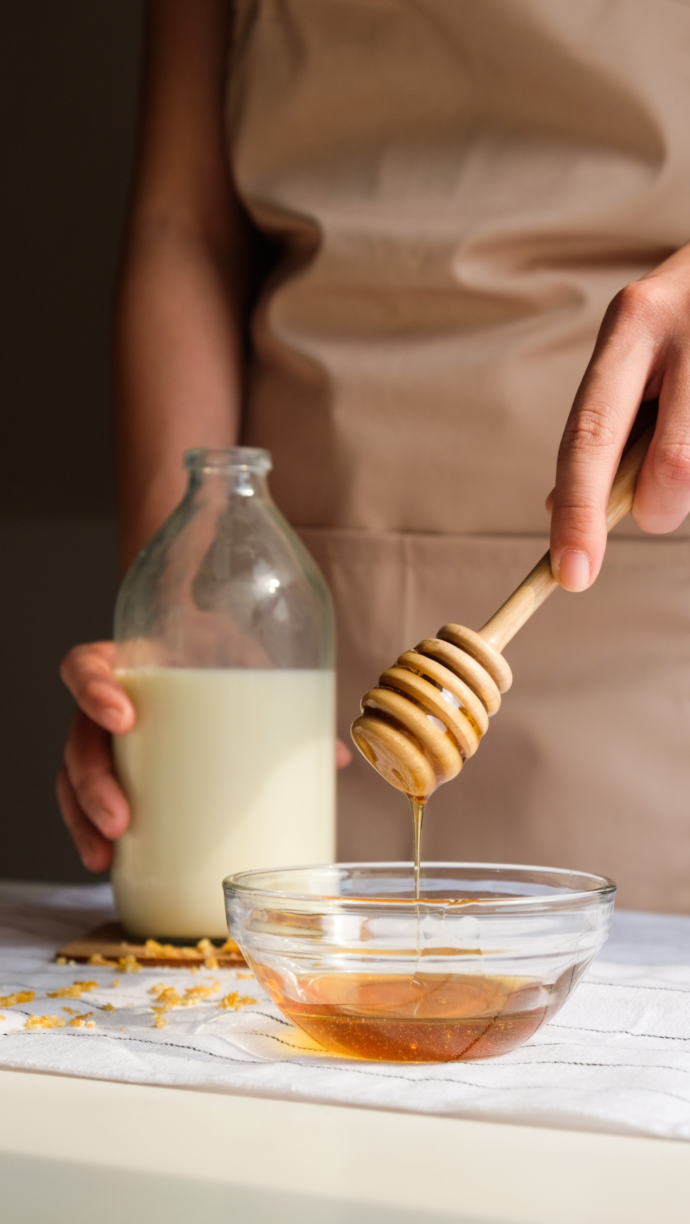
point(418, 807)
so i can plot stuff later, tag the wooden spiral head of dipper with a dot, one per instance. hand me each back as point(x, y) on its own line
point(429, 711)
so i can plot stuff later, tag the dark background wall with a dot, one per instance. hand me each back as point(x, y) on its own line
point(69, 73)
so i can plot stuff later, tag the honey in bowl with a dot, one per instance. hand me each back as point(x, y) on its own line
point(429, 1017)
point(469, 969)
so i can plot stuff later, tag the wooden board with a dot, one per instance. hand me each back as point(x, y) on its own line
point(109, 944)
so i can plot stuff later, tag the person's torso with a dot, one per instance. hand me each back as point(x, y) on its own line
point(459, 190)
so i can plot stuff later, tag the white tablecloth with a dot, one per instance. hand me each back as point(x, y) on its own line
point(616, 1058)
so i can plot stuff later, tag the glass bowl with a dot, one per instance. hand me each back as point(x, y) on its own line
point(472, 969)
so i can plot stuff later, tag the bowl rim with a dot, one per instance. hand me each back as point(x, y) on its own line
point(605, 887)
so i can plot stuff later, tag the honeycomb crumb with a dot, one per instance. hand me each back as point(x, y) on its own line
point(196, 993)
point(60, 960)
point(108, 1007)
point(115, 982)
point(21, 996)
point(245, 975)
point(97, 959)
point(90, 1023)
point(167, 997)
point(73, 1011)
point(129, 964)
point(78, 1021)
point(154, 948)
point(229, 947)
point(205, 947)
point(194, 969)
point(75, 991)
point(160, 1022)
point(234, 1001)
point(173, 951)
point(71, 962)
point(211, 963)
point(44, 1022)
point(2, 1017)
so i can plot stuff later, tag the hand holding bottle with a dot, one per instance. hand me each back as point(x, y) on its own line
point(92, 804)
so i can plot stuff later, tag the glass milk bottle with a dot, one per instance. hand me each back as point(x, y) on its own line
point(225, 644)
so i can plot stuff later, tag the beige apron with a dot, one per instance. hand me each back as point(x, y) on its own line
point(459, 188)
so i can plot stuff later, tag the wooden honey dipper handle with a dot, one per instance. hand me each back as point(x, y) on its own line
point(539, 584)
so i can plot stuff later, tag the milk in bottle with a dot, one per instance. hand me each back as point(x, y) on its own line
point(225, 647)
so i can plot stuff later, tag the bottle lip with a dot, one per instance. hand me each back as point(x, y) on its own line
point(232, 459)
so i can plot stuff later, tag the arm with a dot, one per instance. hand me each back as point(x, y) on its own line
point(642, 353)
point(179, 321)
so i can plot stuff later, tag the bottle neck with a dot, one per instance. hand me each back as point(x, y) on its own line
point(224, 474)
point(221, 486)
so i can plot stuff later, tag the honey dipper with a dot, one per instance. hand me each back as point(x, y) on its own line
point(430, 710)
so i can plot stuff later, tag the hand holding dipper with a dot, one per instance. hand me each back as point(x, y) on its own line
point(430, 710)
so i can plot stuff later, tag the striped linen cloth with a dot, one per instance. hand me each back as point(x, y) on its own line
point(616, 1058)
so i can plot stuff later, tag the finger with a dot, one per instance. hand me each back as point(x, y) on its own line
point(343, 756)
point(601, 418)
point(662, 493)
point(89, 767)
point(88, 673)
point(549, 501)
point(94, 850)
